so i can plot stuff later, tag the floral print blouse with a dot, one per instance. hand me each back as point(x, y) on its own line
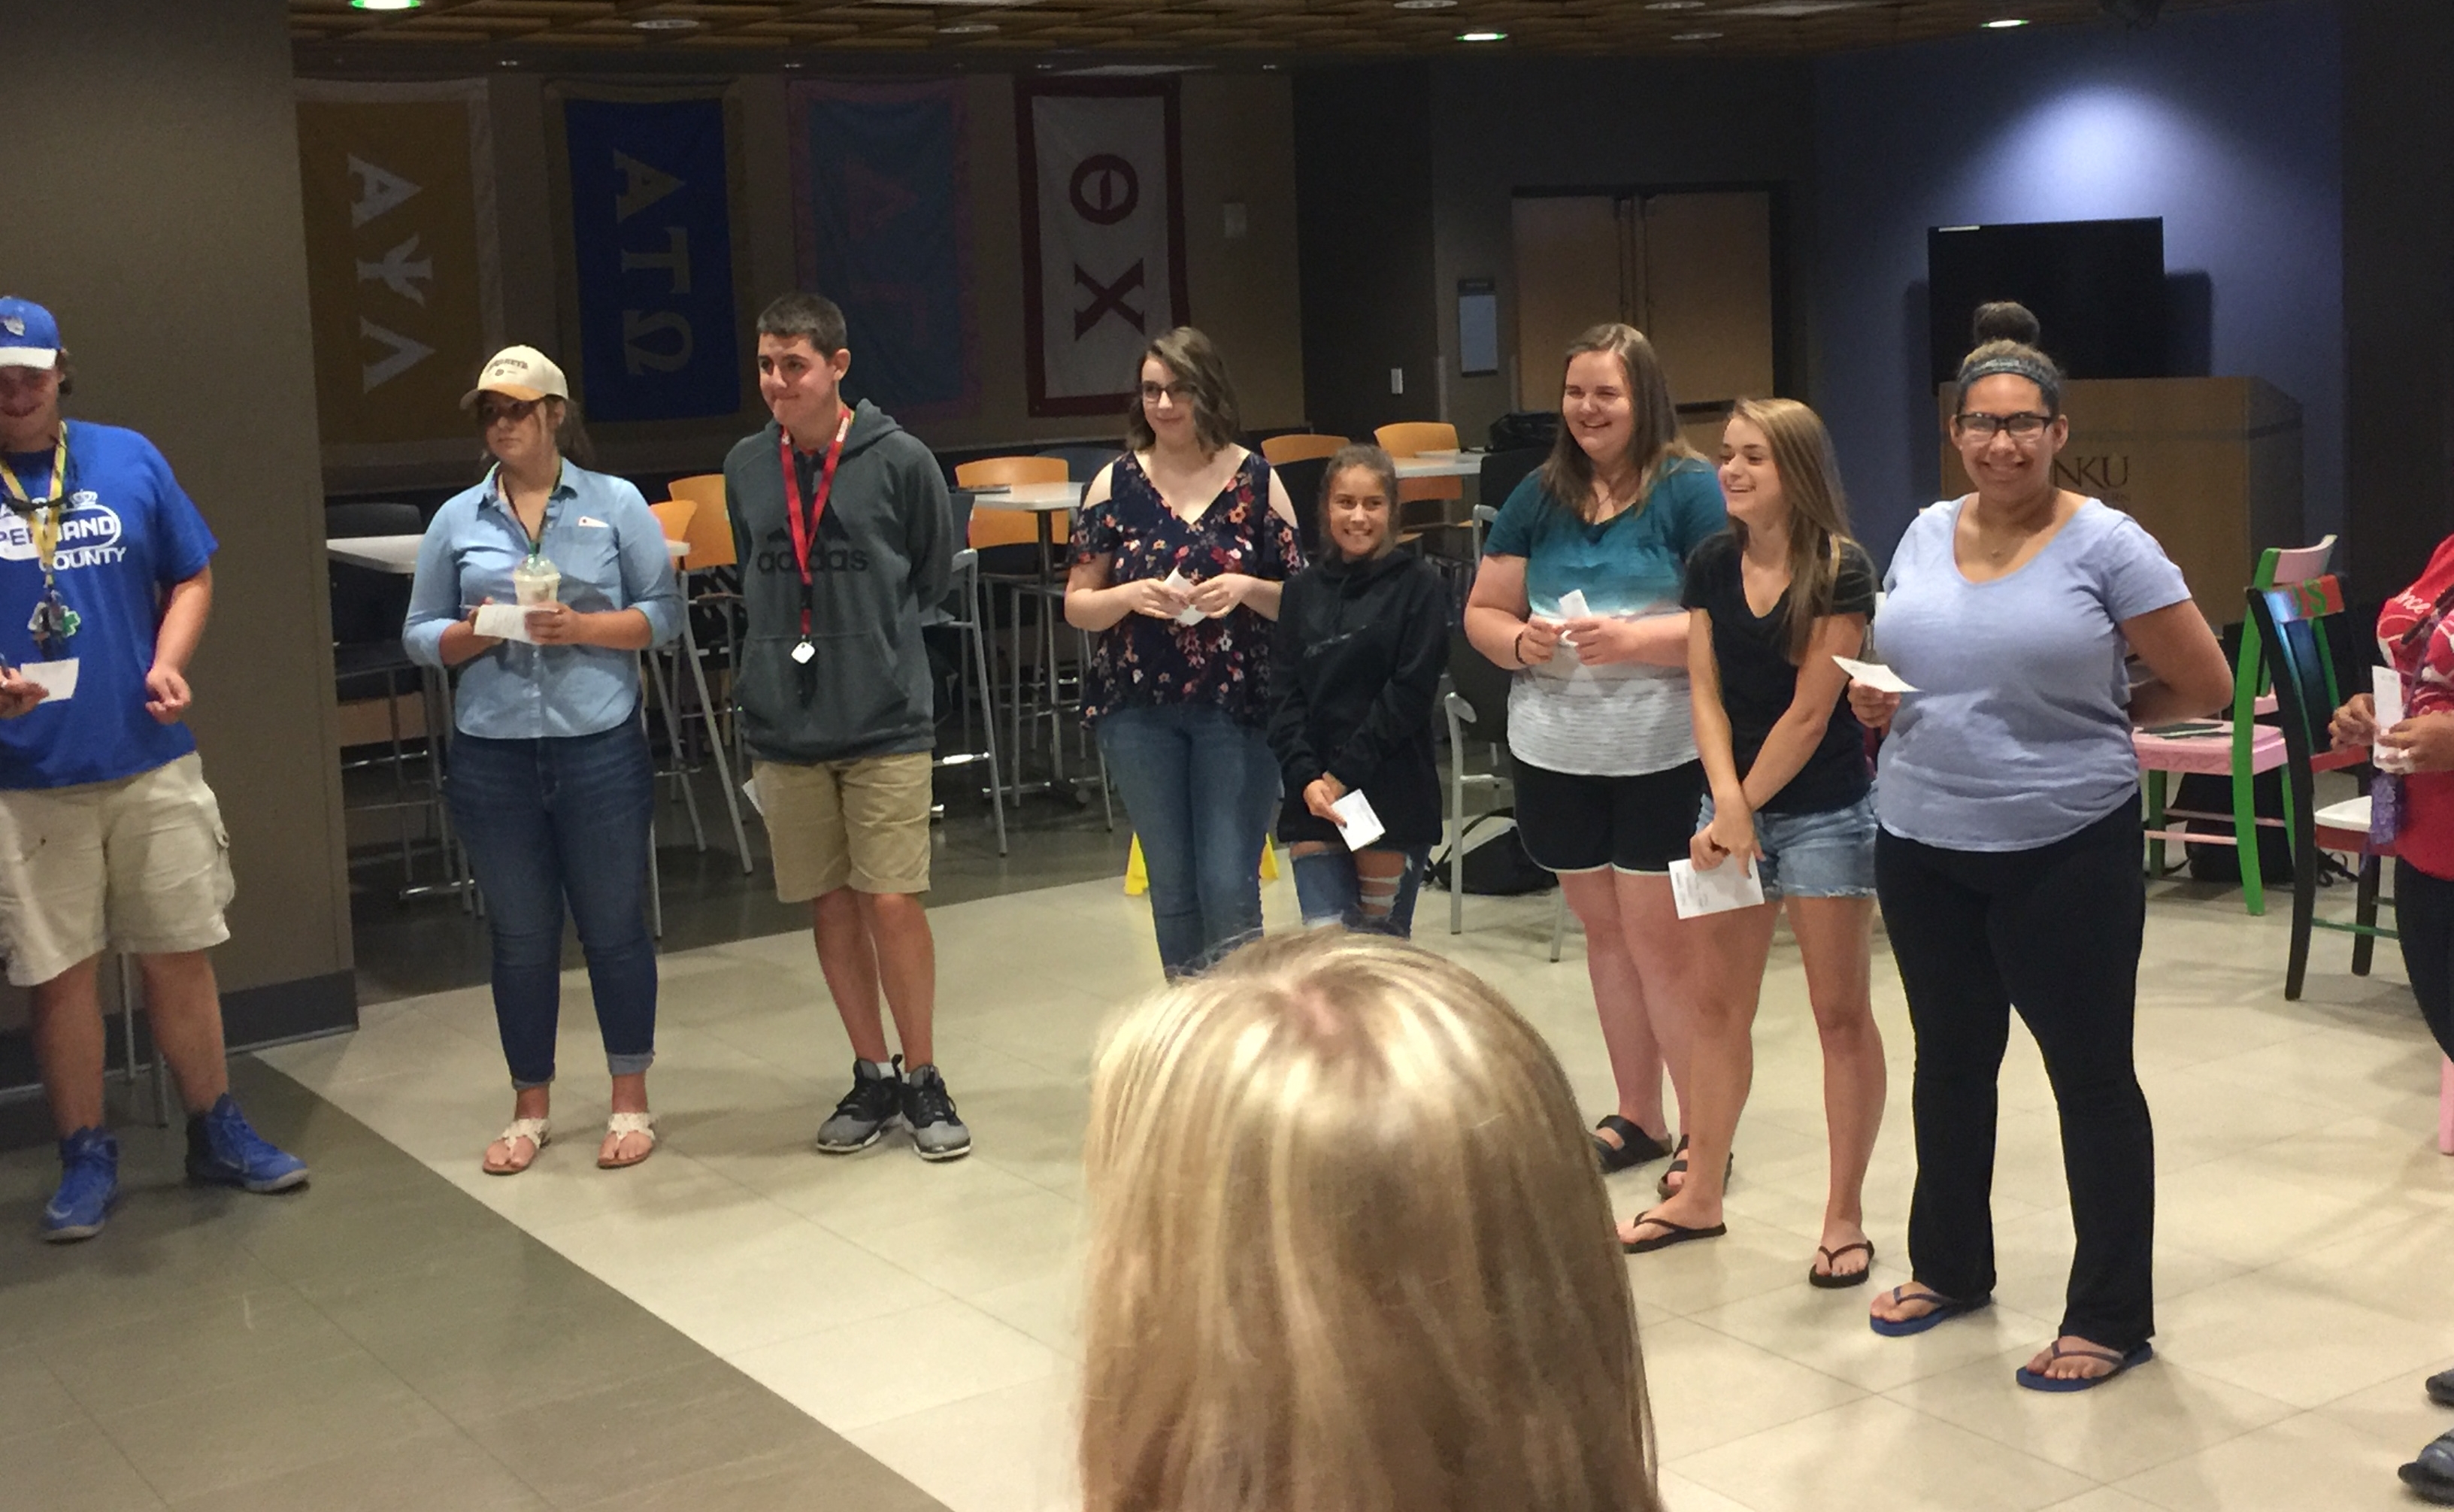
point(1141, 661)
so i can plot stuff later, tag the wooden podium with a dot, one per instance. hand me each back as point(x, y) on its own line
point(2210, 466)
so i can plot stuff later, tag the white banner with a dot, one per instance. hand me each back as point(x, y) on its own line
point(1104, 247)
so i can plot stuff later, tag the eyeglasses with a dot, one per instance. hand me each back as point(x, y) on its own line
point(515, 410)
point(1175, 392)
point(2025, 427)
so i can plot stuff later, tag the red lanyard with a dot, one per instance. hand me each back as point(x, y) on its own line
point(805, 531)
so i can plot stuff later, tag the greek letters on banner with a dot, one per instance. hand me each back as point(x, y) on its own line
point(403, 288)
point(880, 190)
point(652, 257)
point(1103, 238)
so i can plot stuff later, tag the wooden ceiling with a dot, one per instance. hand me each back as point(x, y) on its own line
point(1296, 30)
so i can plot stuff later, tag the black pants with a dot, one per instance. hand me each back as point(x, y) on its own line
point(2054, 932)
point(2424, 916)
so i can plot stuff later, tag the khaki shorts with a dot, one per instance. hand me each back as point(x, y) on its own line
point(140, 865)
point(863, 824)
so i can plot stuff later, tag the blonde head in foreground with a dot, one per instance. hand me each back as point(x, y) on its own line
point(1350, 1252)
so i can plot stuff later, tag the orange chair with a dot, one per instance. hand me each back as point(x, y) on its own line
point(1279, 449)
point(674, 515)
point(1413, 438)
point(711, 526)
point(996, 527)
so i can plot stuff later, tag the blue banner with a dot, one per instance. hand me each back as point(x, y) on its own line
point(879, 177)
point(651, 246)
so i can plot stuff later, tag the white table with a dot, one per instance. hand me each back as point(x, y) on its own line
point(1044, 501)
point(1457, 464)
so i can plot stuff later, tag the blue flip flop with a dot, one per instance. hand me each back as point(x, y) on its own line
point(2055, 1351)
point(1945, 1309)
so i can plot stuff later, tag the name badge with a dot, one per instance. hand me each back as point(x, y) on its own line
point(803, 651)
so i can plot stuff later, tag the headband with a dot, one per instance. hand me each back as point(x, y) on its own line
point(2015, 364)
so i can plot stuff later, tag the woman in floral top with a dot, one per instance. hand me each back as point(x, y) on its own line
point(1179, 558)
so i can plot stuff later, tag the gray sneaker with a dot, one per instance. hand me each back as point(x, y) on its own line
point(867, 1111)
point(936, 1133)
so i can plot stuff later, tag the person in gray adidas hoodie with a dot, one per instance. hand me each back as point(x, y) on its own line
point(844, 533)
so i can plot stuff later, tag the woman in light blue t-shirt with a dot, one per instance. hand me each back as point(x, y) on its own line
point(2007, 861)
point(1603, 747)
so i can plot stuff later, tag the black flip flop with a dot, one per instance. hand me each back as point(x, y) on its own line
point(1837, 1281)
point(1678, 1167)
point(1944, 1310)
point(1672, 1234)
point(1635, 1146)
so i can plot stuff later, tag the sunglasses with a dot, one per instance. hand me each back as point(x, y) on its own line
point(515, 410)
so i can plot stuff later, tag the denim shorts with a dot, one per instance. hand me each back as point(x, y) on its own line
point(1826, 855)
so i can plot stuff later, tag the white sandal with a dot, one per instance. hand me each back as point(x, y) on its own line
point(622, 1123)
point(534, 1130)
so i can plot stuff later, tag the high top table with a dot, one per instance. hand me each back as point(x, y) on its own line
point(1044, 501)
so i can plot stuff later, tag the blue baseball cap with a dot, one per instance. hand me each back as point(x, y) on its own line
point(29, 336)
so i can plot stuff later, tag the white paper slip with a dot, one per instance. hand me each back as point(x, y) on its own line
point(56, 678)
point(1573, 605)
point(504, 622)
point(1363, 825)
point(2384, 684)
point(1725, 887)
point(1188, 615)
point(1881, 678)
point(749, 791)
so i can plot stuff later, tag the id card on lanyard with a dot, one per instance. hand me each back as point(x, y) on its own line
point(805, 530)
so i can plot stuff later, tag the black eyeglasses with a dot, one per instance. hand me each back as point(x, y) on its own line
point(2025, 426)
point(1153, 392)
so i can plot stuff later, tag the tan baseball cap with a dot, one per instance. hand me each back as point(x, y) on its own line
point(519, 372)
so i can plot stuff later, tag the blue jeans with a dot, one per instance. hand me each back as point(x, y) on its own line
point(546, 822)
point(1327, 890)
point(1200, 790)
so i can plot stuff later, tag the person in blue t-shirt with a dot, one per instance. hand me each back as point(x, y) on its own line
point(108, 836)
point(1603, 750)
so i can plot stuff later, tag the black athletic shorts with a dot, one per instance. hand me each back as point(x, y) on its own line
point(1573, 823)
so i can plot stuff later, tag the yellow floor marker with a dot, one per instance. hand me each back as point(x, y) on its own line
point(1137, 876)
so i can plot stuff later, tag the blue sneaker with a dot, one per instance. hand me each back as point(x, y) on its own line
point(89, 1185)
point(222, 1149)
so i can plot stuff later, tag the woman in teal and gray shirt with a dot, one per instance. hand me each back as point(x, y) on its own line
point(550, 782)
point(1578, 594)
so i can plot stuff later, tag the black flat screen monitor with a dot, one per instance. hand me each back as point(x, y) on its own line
point(2096, 287)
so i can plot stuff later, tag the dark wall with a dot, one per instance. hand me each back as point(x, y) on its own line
point(2398, 168)
point(1364, 219)
point(2227, 123)
point(1499, 125)
point(155, 208)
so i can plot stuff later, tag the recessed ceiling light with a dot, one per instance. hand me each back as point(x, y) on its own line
point(384, 5)
point(1425, 5)
point(966, 28)
point(792, 65)
point(1482, 36)
point(1695, 36)
point(2007, 22)
point(664, 24)
point(1674, 5)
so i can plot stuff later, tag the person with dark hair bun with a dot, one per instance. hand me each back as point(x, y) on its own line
point(2006, 863)
point(2004, 320)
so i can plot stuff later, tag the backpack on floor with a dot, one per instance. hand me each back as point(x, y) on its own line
point(1495, 862)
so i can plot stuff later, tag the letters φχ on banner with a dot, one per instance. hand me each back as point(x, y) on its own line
point(1103, 248)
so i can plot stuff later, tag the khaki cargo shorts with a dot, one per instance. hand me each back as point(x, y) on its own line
point(140, 865)
point(862, 824)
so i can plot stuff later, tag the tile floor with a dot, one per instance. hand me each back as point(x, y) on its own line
point(2306, 1242)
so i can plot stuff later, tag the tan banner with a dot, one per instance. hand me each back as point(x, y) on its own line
point(402, 270)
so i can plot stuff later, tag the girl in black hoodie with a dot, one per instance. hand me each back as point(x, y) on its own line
point(1360, 641)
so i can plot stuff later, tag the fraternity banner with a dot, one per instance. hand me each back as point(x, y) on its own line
point(881, 189)
point(652, 257)
point(403, 286)
point(1103, 236)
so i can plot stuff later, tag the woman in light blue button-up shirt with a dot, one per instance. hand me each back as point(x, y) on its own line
point(550, 782)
